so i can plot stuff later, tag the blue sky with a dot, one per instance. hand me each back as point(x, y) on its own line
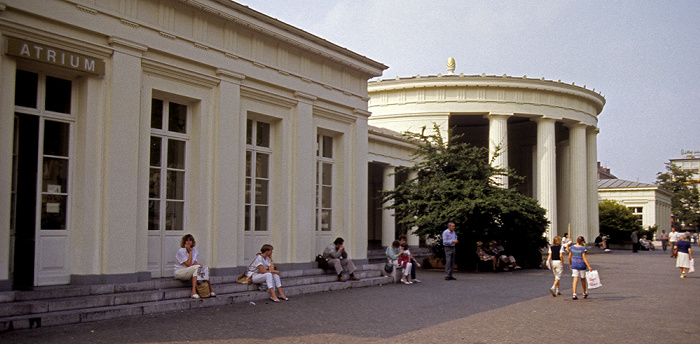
point(643, 56)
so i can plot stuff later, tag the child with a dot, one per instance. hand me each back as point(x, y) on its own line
point(554, 262)
point(405, 259)
point(578, 263)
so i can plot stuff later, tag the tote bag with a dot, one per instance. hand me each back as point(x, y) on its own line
point(593, 279)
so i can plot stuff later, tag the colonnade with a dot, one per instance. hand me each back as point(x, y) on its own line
point(565, 184)
point(578, 193)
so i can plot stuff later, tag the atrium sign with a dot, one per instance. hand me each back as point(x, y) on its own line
point(57, 57)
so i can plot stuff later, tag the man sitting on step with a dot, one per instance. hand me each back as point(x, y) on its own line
point(338, 258)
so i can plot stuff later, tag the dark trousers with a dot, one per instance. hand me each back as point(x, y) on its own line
point(635, 247)
point(449, 260)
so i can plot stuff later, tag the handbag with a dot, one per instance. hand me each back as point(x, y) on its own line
point(593, 280)
point(692, 266)
point(203, 289)
point(243, 279)
point(388, 267)
point(203, 273)
point(322, 262)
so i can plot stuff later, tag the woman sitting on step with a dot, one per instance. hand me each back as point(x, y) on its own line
point(186, 265)
point(263, 271)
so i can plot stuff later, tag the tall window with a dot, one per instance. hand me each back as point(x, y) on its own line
point(324, 182)
point(168, 166)
point(257, 175)
point(638, 213)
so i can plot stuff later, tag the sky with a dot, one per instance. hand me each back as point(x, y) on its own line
point(642, 56)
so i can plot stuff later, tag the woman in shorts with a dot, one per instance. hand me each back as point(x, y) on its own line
point(554, 261)
point(578, 263)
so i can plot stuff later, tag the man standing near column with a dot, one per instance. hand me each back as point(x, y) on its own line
point(449, 240)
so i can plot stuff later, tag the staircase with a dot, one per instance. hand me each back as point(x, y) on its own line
point(60, 305)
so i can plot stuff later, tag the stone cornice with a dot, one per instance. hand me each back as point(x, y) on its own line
point(178, 74)
point(504, 84)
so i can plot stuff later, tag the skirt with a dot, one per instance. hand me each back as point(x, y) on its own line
point(683, 260)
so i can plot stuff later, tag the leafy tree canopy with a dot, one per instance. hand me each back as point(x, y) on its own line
point(455, 182)
point(685, 202)
point(617, 221)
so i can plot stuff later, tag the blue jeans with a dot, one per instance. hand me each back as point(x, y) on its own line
point(449, 260)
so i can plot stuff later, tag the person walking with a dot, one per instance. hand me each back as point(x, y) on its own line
point(663, 237)
point(554, 263)
point(672, 239)
point(578, 263)
point(449, 240)
point(684, 253)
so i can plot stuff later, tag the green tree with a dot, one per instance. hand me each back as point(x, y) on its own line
point(455, 182)
point(685, 202)
point(617, 221)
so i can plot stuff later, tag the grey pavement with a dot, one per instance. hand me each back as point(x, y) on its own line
point(642, 300)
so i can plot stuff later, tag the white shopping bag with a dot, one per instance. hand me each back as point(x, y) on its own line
point(692, 265)
point(203, 273)
point(593, 279)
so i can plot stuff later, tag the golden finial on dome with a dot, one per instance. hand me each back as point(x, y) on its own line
point(451, 66)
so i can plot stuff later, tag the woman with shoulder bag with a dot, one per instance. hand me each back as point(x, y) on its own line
point(262, 270)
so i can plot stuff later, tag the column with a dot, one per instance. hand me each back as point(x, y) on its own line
point(121, 166)
point(227, 239)
point(303, 160)
point(388, 221)
point(547, 172)
point(498, 140)
point(413, 240)
point(578, 172)
point(7, 107)
point(592, 156)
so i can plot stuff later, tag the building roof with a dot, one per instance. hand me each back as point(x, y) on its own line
point(620, 183)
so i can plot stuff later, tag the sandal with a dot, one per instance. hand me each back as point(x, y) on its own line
point(275, 300)
point(194, 296)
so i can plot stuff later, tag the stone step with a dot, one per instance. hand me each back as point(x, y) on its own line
point(63, 317)
point(70, 304)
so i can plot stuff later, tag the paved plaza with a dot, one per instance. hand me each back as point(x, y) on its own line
point(642, 300)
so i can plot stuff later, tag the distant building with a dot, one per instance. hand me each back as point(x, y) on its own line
point(649, 202)
point(546, 131)
point(691, 163)
point(604, 173)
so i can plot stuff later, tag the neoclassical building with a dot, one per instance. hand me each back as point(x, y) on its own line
point(127, 124)
point(546, 130)
point(650, 203)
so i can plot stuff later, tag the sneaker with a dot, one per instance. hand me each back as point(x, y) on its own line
point(607, 250)
point(553, 291)
point(415, 280)
point(574, 297)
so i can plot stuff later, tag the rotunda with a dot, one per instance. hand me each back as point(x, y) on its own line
point(546, 131)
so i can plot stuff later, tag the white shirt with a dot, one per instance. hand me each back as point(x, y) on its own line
point(181, 257)
point(259, 260)
point(673, 236)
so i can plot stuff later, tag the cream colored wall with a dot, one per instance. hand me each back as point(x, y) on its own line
point(226, 65)
point(656, 204)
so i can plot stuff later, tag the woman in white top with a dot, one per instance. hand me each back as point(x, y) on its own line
point(263, 271)
point(186, 265)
